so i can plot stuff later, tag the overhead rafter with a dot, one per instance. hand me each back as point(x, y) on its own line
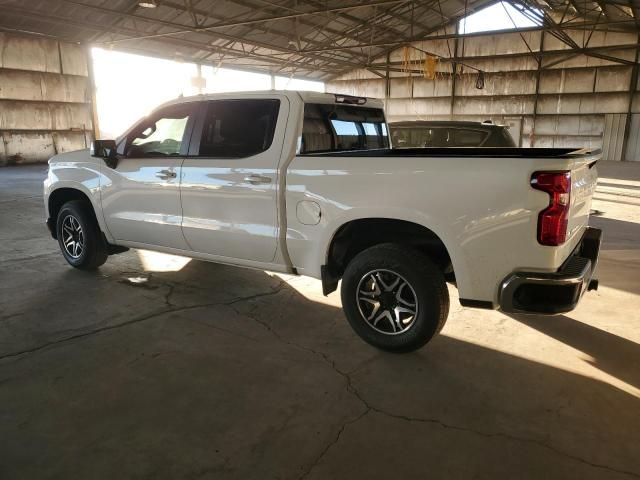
point(307, 38)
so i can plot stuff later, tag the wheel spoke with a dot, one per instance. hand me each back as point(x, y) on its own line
point(376, 290)
point(374, 303)
point(368, 293)
point(402, 300)
point(400, 310)
point(388, 287)
point(385, 314)
point(396, 319)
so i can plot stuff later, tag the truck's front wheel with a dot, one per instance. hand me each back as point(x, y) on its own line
point(79, 236)
point(394, 297)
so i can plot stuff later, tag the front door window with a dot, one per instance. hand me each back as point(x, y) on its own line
point(159, 135)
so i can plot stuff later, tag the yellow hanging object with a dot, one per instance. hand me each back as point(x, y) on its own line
point(429, 67)
point(406, 59)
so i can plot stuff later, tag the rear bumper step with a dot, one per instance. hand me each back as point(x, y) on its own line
point(554, 292)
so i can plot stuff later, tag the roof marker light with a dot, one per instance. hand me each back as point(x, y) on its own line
point(350, 100)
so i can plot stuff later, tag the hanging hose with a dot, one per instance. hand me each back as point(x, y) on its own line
point(480, 80)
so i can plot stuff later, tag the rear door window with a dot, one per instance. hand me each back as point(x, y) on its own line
point(238, 128)
point(330, 127)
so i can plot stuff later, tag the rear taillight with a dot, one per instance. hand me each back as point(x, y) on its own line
point(552, 221)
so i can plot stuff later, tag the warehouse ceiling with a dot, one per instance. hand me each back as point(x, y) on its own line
point(315, 39)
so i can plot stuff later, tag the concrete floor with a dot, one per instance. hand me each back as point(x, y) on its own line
point(156, 368)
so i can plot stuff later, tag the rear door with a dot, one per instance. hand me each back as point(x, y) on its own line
point(141, 196)
point(230, 179)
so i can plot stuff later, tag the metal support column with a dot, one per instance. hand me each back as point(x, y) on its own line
point(387, 83)
point(92, 93)
point(537, 94)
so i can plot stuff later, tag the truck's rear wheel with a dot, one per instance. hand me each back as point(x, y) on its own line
point(79, 236)
point(394, 297)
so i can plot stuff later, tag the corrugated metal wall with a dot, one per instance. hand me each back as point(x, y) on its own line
point(44, 98)
point(613, 138)
point(633, 146)
point(566, 106)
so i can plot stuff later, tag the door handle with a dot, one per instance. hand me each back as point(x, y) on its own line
point(257, 179)
point(166, 174)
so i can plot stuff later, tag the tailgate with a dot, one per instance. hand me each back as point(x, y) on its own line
point(584, 177)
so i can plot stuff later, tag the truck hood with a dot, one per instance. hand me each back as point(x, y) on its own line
point(76, 156)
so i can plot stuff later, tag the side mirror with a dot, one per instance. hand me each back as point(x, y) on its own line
point(107, 150)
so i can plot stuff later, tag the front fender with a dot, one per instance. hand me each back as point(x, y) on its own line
point(76, 171)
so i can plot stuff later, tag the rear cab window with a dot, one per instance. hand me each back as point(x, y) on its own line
point(329, 128)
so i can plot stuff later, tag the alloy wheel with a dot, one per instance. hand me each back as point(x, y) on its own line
point(72, 236)
point(387, 302)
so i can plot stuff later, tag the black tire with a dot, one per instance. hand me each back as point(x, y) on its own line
point(426, 283)
point(93, 251)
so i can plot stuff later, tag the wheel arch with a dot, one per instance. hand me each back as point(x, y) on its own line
point(356, 235)
point(58, 197)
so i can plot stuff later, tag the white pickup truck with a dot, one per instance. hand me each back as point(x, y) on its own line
point(307, 184)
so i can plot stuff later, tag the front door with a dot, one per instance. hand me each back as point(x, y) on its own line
point(229, 180)
point(141, 196)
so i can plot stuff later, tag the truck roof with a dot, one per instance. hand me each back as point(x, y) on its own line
point(305, 96)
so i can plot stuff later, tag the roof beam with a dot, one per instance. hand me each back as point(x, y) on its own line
point(241, 40)
point(59, 20)
point(544, 53)
point(303, 14)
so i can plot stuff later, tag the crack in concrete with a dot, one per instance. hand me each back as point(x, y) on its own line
point(140, 319)
point(29, 197)
point(29, 258)
point(167, 296)
point(326, 359)
point(505, 436)
point(371, 408)
point(336, 439)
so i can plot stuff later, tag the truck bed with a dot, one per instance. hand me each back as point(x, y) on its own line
point(463, 152)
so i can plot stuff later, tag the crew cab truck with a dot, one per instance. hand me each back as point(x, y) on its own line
point(308, 184)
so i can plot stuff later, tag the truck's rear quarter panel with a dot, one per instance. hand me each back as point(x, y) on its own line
point(482, 208)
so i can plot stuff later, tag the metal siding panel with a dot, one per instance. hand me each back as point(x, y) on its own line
point(74, 59)
point(29, 53)
point(28, 147)
point(613, 138)
point(38, 86)
point(633, 145)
